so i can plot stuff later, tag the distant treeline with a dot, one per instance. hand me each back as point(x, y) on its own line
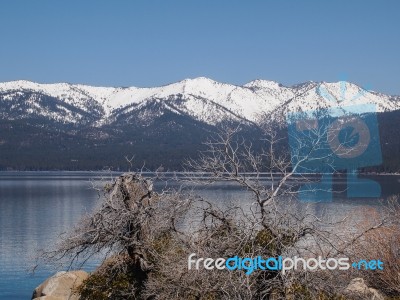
point(37, 144)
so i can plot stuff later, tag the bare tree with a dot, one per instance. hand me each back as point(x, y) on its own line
point(271, 176)
point(145, 237)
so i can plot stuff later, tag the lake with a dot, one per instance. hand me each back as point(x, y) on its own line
point(35, 207)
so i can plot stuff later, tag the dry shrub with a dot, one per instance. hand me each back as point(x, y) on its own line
point(381, 243)
point(114, 279)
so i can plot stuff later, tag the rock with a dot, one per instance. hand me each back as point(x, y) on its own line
point(61, 286)
point(358, 290)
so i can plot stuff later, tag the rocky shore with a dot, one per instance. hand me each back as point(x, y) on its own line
point(64, 285)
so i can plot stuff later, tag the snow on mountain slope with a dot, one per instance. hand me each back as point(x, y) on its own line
point(342, 94)
point(202, 98)
point(68, 93)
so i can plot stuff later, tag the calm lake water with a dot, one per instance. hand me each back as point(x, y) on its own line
point(35, 207)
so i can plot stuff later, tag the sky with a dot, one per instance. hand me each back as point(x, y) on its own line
point(152, 43)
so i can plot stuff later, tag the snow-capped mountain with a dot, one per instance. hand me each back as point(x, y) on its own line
point(79, 127)
point(201, 98)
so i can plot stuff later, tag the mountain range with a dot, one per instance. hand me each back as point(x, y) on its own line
point(74, 126)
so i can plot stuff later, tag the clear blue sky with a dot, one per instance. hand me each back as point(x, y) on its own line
point(151, 43)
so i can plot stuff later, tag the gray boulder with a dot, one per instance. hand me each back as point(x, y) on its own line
point(358, 290)
point(61, 286)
